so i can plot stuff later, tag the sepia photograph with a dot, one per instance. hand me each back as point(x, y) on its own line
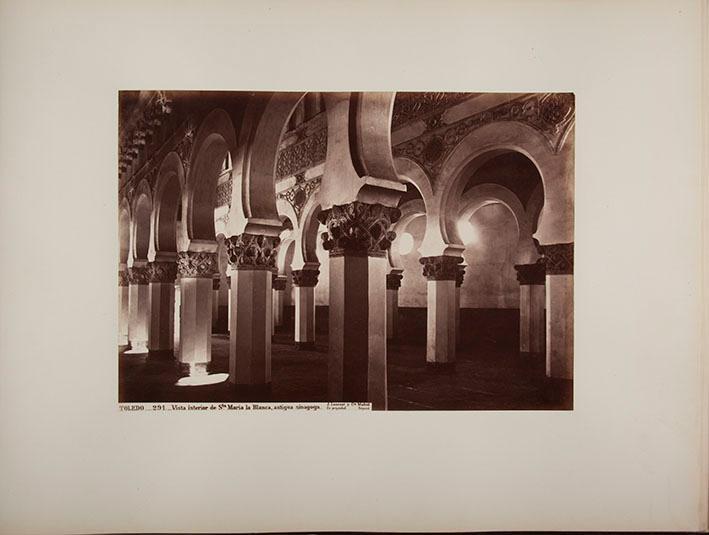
point(408, 250)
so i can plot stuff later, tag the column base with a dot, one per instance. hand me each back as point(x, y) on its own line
point(304, 346)
point(198, 375)
point(441, 367)
point(137, 348)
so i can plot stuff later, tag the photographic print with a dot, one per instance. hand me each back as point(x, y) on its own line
point(399, 250)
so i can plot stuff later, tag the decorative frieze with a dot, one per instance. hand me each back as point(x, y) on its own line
point(531, 273)
point(299, 194)
point(394, 281)
point(162, 271)
point(223, 197)
point(305, 277)
point(558, 258)
point(122, 278)
point(358, 228)
point(278, 283)
point(441, 268)
point(302, 155)
point(459, 276)
point(411, 106)
point(138, 275)
point(196, 264)
point(550, 113)
point(252, 251)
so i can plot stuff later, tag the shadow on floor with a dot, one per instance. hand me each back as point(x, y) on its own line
point(483, 379)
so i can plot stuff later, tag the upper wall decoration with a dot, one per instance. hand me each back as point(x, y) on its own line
point(550, 113)
point(299, 194)
point(302, 155)
point(411, 106)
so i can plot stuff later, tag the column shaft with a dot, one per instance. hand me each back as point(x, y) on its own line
point(123, 308)
point(304, 317)
point(162, 313)
point(253, 258)
point(442, 273)
point(139, 310)
point(250, 341)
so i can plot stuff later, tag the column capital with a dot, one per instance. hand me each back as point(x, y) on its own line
point(394, 281)
point(162, 271)
point(358, 229)
point(138, 275)
point(215, 284)
point(122, 278)
point(252, 251)
point(305, 277)
point(278, 282)
point(440, 268)
point(558, 258)
point(460, 276)
point(197, 264)
point(531, 273)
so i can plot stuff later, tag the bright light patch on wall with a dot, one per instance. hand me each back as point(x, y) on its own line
point(406, 243)
point(468, 232)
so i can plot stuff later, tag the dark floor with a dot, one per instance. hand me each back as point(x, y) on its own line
point(482, 380)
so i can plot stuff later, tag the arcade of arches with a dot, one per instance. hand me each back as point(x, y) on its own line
point(411, 250)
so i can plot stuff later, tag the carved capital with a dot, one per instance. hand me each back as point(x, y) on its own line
point(122, 278)
point(197, 264)
point(138, 275)
point(459, 276)
point(531, 273)
point(558, 258)
point(278, 283)
point(440, 268)
point(358, 228)
point(394, 281)
point(215, 284)
point(162, 271)
point(252, 251)
point(305, 277)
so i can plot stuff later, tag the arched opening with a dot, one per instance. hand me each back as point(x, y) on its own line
point(123, 235)
point(168, 214)
point(208, 168)
point(141, 232)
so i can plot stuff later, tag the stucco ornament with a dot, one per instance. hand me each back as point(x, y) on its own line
point(252, 251)
point(305, 277)
point(441, 268)
point(358, 228)
point(460, 276)
point(138, 275)
point(558, 258)
point(122, 278)
point(531, 273)
point(394, 281)
point(196, 264)
point(162, 271)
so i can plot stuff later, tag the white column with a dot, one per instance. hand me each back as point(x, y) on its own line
point(441, 272)
point(162, 308)
point(278, 285)
point(123, 308)
point(196, 269)
point(304, 281)
point(357, 361)
point(393, 283)
point(139, 309)
point(252, 257)
point(531, 278)
point(460, 276)
point(559, 262)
